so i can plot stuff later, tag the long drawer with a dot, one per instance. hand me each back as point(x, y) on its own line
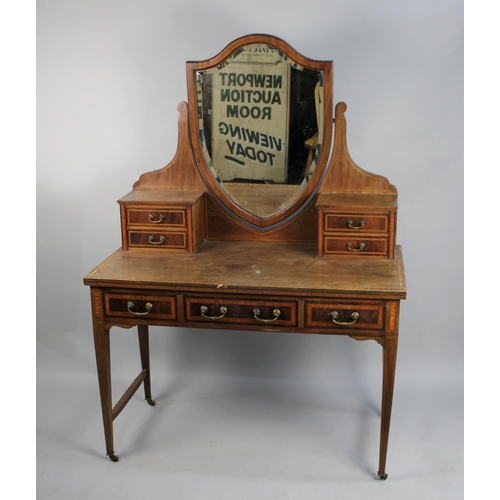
point(248, 311)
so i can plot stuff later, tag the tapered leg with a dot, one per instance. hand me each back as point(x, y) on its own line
point(390, 351)
point(144, 349)
point(103, 358)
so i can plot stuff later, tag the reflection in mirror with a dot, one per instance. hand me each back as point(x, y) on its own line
point(260, 120)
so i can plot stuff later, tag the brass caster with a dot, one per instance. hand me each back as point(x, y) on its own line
point(113, 457)
point(151, 401)
point(383, 476)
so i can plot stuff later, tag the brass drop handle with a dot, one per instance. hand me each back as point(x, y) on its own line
point(350, 223)
point(148, 306)
point(334, 315)
point(161, 218)
point(276, 314)
point(153, 242)
point(204, 310)
point(352, 249)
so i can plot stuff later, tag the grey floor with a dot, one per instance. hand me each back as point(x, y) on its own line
point(244, 416)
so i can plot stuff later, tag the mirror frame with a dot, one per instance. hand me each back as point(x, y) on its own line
point(219, 194)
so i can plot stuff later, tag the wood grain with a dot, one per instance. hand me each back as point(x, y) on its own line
point(259, 266)
point(182, 171)
point(343, 175)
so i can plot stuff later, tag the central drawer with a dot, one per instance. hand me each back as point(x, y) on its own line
point(247, 311)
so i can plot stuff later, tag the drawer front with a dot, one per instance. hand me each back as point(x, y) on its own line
point(353, 316)
point(171, 217)
point(241, 311)
point(355, 246)
point(359, 223)
point(138, 305)
point(157, 239)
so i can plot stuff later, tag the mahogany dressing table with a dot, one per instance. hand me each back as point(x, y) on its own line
point(258, 223)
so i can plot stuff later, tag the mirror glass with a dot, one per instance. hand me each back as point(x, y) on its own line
point(260, 119)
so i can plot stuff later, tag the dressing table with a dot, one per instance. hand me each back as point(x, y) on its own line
point(261, 222)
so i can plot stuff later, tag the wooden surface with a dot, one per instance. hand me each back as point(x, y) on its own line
point(351, 201)
point(223, 226)
point(263, 200)
point(254, 266)
point(162, 196)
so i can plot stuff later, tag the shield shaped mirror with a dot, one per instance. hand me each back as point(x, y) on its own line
point(262, 127)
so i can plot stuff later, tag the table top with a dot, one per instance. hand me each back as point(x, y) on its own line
point(257, 266)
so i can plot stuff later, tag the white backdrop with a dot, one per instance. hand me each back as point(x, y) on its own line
point(110, 74)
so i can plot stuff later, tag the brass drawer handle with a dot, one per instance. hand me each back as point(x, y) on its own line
point(130, 306)
point(204, 310)
point(334, 315)
point(350, 223)
point(161, 218)
point(153, 242)
point(276, 314)
point(360, 247)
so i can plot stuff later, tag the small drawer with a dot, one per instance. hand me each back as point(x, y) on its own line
point(241, 311)
point(355, 246)
point(156, 239)
point(137, 305)
point(353, 316)
point(170, 217)
point(356, 223)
